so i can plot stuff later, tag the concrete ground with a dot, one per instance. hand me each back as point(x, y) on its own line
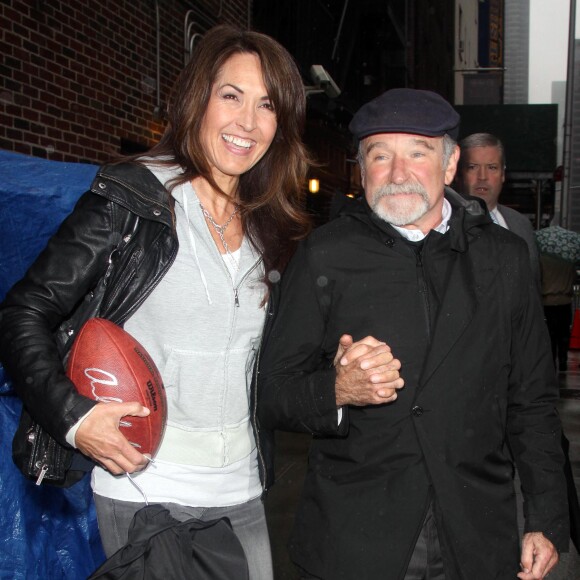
point(291, 466)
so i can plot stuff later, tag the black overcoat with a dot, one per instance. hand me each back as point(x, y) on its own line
point(464, 318)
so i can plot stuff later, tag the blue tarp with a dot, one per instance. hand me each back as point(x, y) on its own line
point(45, 533)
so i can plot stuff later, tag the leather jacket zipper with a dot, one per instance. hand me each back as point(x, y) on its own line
point(150, 287)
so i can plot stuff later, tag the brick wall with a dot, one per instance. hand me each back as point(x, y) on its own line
point(79, 77)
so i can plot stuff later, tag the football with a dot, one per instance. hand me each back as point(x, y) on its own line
point(107, 364)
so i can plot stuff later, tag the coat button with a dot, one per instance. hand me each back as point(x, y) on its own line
point(157, 212)
point(102, 185)
point(417, 411)
point(390, 243)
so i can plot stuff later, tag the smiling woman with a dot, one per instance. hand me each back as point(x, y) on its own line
point(219, 213)
point(240, 122)
point(213, 103)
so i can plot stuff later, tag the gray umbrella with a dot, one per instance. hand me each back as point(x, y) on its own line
point(559, 241)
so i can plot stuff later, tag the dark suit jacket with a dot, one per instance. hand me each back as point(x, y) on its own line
point(520, 225)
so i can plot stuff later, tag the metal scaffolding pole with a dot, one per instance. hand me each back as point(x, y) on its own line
point(567, 149)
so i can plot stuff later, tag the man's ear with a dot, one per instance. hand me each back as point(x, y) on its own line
point(361, 166)
point(362, 171)
point(451, 168)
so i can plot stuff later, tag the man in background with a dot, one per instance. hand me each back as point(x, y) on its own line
point(481, 173)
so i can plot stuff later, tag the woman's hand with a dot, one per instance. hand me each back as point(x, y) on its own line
point(99, 437)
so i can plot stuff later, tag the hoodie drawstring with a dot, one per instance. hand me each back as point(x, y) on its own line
point(194, 247)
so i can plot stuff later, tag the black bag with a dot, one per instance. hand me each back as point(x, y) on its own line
point(159, 546)
point(37, 454)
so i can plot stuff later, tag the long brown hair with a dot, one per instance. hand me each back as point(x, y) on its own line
point(270, 193)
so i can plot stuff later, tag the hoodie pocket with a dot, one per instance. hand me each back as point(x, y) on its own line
point(206, 390)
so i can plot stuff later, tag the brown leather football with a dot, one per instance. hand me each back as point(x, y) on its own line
point(107, 364)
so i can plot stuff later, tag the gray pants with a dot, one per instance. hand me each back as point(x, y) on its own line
point(248, 522)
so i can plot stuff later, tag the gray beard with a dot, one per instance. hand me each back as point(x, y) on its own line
point(406, 211)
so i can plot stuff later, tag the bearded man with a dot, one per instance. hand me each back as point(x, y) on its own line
point(417, 483)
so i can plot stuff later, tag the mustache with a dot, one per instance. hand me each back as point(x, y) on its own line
point(400, 189)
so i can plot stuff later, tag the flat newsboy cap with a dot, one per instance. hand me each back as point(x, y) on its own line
point(406, 111)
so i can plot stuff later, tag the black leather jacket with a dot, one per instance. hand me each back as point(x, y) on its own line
point(75, 259)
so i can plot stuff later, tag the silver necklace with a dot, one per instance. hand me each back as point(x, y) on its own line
point(221, 230)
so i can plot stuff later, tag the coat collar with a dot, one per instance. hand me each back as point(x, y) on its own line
point(133, 186)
